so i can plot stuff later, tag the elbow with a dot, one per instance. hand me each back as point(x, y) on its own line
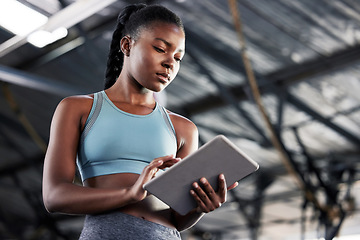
point(187, 221)
point(52, 201)
point(179, 223)
point(49, 208)
point(184, 227)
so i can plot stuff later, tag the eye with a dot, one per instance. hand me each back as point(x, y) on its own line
point(159, 50)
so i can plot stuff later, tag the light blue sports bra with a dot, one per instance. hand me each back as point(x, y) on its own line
point(114, 141)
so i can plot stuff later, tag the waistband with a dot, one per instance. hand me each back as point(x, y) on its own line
point(118, 225)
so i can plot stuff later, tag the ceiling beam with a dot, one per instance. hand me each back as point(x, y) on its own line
point(317, 116)
point(284, 77)
point(23, 79)
point(275, 81)
point(229, 98)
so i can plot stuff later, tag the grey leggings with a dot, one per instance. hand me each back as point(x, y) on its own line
point(117, 225)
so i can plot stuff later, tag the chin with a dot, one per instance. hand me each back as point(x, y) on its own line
point(158, 89)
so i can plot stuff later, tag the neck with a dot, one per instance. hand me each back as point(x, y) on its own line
point(130, 92)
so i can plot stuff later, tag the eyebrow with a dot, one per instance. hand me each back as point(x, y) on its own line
point(167, 43)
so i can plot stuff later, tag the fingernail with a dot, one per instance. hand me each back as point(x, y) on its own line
point(203, 180)
point(196, 185)
point(222, 177)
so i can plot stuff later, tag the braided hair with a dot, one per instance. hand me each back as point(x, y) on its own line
point(130, 21)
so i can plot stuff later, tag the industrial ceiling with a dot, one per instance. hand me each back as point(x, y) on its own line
point(287, 94)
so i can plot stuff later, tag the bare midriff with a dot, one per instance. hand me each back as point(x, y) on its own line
point(150, 208)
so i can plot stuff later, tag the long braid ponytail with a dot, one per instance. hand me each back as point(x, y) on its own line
point(116, 57)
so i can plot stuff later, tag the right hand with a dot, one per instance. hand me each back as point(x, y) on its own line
point(137, 192)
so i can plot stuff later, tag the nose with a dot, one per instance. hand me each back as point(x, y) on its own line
point(168, 64)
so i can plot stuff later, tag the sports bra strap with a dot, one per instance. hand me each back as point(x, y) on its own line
point(94, 113)
point(168, 121)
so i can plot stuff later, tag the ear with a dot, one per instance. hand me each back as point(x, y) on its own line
point(125, 45)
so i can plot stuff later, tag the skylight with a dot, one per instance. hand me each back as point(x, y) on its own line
point(18, 18)
point(22, 20)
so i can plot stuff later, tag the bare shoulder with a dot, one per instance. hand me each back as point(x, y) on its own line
point(77, 101)
point(75, 107)
point(181, 121)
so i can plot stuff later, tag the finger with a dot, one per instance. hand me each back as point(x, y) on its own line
point(203, 197)
point(150, 170)
point(155, 165)
point(169, 163)
point(201, 206)
point(159, 162)
point(168, 160)
point(222, 188)
point(165, 158)
point(234, 185)
point(209, 190)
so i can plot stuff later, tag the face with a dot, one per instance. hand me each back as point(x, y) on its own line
point(154, 58)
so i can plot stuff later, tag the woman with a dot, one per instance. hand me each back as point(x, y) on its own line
point(121, 137)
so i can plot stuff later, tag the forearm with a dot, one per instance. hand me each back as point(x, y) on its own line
point(187, 221)
point(69, 198)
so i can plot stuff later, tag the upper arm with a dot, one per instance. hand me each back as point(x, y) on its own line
point(186, 133)
point(60, 165)
point(188, 139)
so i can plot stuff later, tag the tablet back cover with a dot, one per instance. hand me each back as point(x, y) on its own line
point(213, 158)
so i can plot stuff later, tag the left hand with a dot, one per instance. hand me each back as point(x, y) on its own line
point(207, 199)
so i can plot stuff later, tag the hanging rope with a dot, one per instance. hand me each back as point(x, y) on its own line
point(257, 97)
point(22, 118)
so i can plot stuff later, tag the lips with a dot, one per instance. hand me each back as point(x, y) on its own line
point(164, 76)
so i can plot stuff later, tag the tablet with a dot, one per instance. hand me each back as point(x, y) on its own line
point(217, 156)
